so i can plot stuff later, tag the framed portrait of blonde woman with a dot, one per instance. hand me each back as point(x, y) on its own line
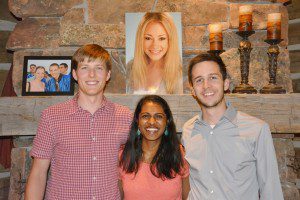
point(47, 76)
point(154, 53)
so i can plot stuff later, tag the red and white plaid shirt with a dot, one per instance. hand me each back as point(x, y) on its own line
point(83, 149)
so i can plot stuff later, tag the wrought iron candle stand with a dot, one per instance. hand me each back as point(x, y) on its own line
point(215, 52)
point(273, 52)
point(245, 50)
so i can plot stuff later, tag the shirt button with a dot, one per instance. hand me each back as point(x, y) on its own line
point(94, 198)
point(211, 171)
point(211, 132)
point(211, 191)
point(94, 178)
point(94, 158)
point(94, 139)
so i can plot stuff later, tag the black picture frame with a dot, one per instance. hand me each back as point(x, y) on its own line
point(65, 82)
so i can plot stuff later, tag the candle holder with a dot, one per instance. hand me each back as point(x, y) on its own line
point(245, 50)
point(273, 52)
point(215, 52)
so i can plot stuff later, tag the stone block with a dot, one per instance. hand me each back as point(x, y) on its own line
point(117, 84)
point(290, 191)
point(73, 16)
point(35, 33)
point(4, 12)
point(289, 175)
point(260, 12)
point(284, 147)
point(20, 168)
point(295, 59)
point(193, 37)
point(113, 12)
point(106, 35)
point(294, 9)
point(33, 8)
point(4, 185)
point(5, 56)
point(23, 141)
point(294, 31)
point(258, 70)
point(197, 37)
point(258, 1)
point(296, 85)
point(195, 12)
point(3, 76)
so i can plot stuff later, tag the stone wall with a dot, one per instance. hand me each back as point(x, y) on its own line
point(59, 27)
point(7, 23)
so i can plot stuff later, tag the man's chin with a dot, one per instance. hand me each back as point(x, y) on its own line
point(211, 104)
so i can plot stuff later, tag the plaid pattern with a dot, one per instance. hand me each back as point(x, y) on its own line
point(83, 149)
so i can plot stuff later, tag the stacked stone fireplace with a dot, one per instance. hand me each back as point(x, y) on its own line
point(59, 27)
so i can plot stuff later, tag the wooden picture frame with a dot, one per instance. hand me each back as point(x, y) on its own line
point(47, 76)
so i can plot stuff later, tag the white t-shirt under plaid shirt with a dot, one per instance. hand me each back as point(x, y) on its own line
point(83, 149)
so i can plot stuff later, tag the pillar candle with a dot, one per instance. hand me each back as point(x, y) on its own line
point(215, 37)
point(274, 26)
point(245, 18)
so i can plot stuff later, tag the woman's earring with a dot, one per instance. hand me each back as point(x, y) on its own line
point(166, 132)
point(138, 132)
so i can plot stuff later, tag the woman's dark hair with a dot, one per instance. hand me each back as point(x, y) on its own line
point(168, 160)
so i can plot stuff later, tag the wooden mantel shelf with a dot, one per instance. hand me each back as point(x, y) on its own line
point(20, 115)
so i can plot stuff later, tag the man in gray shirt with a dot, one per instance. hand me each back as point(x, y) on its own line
point(231, 154)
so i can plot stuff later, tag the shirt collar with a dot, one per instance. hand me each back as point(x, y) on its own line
point(74, 107)
point(230, 115)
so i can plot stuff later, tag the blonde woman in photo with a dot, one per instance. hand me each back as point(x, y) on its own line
point(156, 67)
point(37, 85)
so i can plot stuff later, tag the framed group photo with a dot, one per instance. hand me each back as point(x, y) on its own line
point(47, 76)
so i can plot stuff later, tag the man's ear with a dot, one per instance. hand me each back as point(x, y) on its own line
point(74, 74)
point(226, 84)
point(108, 75)
point(192, 90)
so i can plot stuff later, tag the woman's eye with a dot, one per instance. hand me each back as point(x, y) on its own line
point(159, 117)
point(147, 38)
point(162, 38)
point(145, 116)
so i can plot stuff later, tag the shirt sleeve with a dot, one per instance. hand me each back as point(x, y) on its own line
point(43, 142)
point(267, 168)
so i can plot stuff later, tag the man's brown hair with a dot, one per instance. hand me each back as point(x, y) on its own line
point(92, 52)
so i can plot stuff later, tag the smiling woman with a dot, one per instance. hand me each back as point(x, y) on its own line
point(152, 164)
point(156, 67)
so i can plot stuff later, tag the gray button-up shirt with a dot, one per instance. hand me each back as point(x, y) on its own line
point(235, 160)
